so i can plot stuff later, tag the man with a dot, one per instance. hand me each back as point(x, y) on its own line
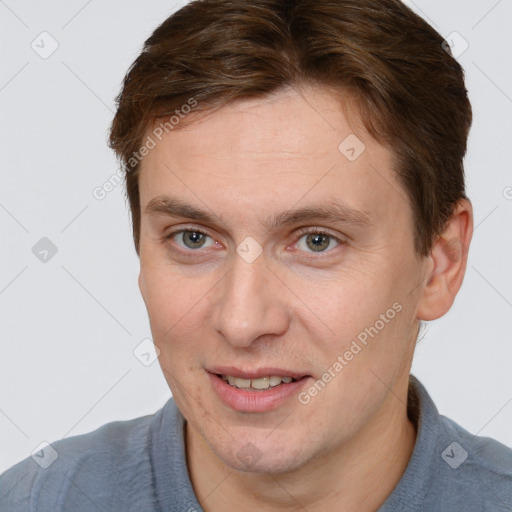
point(295, 177)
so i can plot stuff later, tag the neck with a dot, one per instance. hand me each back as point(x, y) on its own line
point(359, 475)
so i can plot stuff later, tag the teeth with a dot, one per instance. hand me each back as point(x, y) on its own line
point(274, 381)
point(261, 383)
point(242, 383)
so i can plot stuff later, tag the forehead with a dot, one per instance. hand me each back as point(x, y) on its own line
point(272, 153)
point(293, 123)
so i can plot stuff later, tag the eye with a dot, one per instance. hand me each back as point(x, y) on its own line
point(190, 238)
point(317, 240)
point(314, 239)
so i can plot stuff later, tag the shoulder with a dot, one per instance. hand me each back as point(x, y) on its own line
point(474, 466)
point(104, 466)
point(451, 469)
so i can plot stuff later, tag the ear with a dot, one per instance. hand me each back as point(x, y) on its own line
point(447, 264)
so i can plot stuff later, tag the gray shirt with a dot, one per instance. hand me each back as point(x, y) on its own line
point(140, 465)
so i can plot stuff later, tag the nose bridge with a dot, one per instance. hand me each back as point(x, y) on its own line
point(246, 307)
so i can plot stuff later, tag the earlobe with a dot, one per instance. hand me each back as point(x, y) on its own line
point(448, 264)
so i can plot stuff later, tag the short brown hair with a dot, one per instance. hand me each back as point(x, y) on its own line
point(409, 90)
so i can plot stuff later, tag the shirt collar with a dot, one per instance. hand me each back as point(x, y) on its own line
point(412, 488)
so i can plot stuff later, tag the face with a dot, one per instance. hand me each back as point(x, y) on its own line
point(237, 285)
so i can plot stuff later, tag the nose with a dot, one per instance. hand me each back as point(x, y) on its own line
point(249, 303)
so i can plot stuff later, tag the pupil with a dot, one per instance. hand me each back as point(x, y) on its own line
point(194, 238)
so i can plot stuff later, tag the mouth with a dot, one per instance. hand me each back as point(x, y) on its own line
point(259, 384)
point(256, 391)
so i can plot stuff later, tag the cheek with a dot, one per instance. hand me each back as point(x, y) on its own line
point(168, 295)
point(170, 302)
point(343, 304)
point(361, 319)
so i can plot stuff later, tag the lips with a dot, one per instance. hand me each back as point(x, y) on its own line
point(256, 390)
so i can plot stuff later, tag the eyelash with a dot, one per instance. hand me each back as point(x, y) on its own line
point(301, 232)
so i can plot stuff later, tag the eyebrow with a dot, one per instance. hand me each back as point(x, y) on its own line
point(334, 211)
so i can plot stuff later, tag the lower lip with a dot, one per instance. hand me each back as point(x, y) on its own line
point(256, 401)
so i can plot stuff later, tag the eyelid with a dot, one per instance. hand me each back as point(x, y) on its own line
point(195, 229)
point(323, 231)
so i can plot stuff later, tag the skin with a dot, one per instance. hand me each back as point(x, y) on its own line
point(291, 307)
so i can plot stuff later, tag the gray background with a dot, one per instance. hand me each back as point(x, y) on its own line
point(69, 326)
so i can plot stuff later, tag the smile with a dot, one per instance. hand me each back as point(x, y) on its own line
point(256, 384)
point(258, 391)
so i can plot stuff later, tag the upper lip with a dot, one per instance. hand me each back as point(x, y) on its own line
point(255, 373)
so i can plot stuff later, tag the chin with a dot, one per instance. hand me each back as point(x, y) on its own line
point(263, 457)
point(265, 465)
